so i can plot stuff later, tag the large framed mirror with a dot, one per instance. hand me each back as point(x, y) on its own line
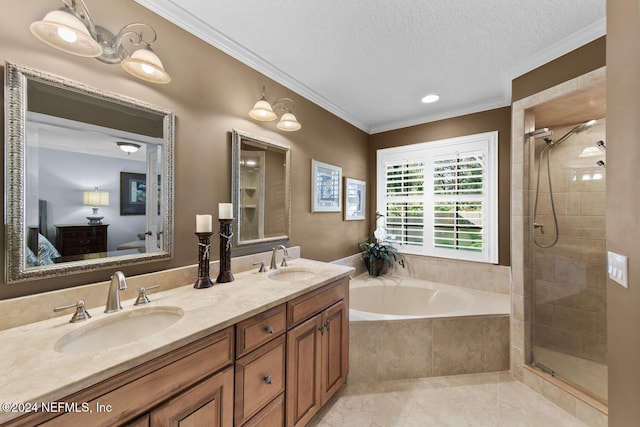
point(89, 177)
point(261, 189)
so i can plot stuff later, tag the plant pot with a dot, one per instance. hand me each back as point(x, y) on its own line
point(381, 266)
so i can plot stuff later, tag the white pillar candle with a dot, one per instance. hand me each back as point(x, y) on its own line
point(225, 211)
point(203, 224)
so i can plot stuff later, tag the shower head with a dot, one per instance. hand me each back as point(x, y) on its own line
point(583, 126)
point(576, 129)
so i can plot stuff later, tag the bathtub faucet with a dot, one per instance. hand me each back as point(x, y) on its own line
point(274, 264)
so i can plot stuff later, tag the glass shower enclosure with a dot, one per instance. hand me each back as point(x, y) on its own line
point(568, 172)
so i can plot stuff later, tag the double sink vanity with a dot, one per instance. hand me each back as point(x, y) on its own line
point(268, 349)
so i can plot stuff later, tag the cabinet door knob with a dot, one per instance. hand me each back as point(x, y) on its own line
point(267, 380)
point(268, 330)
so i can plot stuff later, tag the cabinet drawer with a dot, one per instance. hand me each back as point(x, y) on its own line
point(259, 379)
point(308, 305)
point(271, 416)
point(257, 330)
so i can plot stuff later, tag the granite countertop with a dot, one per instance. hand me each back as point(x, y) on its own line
point(33, 371)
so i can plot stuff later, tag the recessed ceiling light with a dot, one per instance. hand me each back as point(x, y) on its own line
point(430, 98)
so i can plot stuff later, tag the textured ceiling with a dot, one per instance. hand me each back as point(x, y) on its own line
point(371, 61)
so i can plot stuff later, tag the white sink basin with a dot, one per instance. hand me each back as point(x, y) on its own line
point(291, 274)
point(118, 329)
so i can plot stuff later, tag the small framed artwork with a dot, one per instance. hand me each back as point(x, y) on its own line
point(355, 197)
point(326, 187)
point(133, 193)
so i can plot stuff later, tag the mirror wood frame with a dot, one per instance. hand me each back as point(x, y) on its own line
point(237, 138)
point(16, 80)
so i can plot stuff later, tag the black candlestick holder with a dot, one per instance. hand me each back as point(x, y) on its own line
point(204, 255)
point(225, 251)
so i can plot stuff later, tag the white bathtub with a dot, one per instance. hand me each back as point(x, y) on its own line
point(395, 297)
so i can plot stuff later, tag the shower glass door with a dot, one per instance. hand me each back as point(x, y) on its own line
point(569, 316)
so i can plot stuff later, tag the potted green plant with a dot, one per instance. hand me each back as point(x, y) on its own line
point(378, 254)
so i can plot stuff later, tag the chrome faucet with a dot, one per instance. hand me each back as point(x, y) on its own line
point(118, 283)
point(274, 265)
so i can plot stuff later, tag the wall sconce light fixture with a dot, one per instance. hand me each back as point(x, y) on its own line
point(71, 29)
point(128, 147)
point(264, 112)
point(95, 198)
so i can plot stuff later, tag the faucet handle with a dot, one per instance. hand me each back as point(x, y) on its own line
point(284, 261)
point(81, 313)
point(262, 268)
point(142, 295)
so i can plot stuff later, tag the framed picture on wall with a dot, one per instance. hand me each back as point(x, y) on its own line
point(355, 197)
point(326, 187)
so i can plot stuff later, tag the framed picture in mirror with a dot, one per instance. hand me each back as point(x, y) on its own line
point(133, 193)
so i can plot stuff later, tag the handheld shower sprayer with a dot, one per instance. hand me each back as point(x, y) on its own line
point(551, 144)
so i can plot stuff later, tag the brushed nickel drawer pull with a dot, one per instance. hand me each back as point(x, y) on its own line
point(268, 330)
point(267, 380)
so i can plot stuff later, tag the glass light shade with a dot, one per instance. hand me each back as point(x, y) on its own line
point(145, 64)
point(67, 33)
point(262, 111)
point(128, 147)
point(288, 123)
point(95, 198)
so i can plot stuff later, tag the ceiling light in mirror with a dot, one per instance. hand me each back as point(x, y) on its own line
point(128, 147)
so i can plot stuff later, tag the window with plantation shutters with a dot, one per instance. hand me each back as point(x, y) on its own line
point(440, 198)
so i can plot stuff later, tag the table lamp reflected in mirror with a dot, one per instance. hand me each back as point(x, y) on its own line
point(95, 199)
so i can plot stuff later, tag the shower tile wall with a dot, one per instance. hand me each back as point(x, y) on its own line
point(569, 290)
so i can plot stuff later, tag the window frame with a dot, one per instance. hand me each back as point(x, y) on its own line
point(429, 152)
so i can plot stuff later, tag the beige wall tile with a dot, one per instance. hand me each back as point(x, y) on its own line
point(458, 346)
point(496, 346)
point(404, 349)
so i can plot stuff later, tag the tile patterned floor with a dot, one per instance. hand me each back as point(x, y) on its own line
point(475, 400)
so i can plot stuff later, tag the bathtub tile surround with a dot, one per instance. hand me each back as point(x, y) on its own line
point(487, 399)
point(417, 348)
point(32, 308)
point(522, 253)
point(466, 274)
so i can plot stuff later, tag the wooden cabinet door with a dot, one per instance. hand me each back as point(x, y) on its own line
point(207, 404)
point(143, 421)
point(335, 349)
point(303, 371)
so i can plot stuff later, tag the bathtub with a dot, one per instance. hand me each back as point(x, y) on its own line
point(402, 328)
point(395, 297)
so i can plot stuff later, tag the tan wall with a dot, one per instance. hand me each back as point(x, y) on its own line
point(210, 94)
point(623, 205)
point(575, 63)
point(486, 121)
